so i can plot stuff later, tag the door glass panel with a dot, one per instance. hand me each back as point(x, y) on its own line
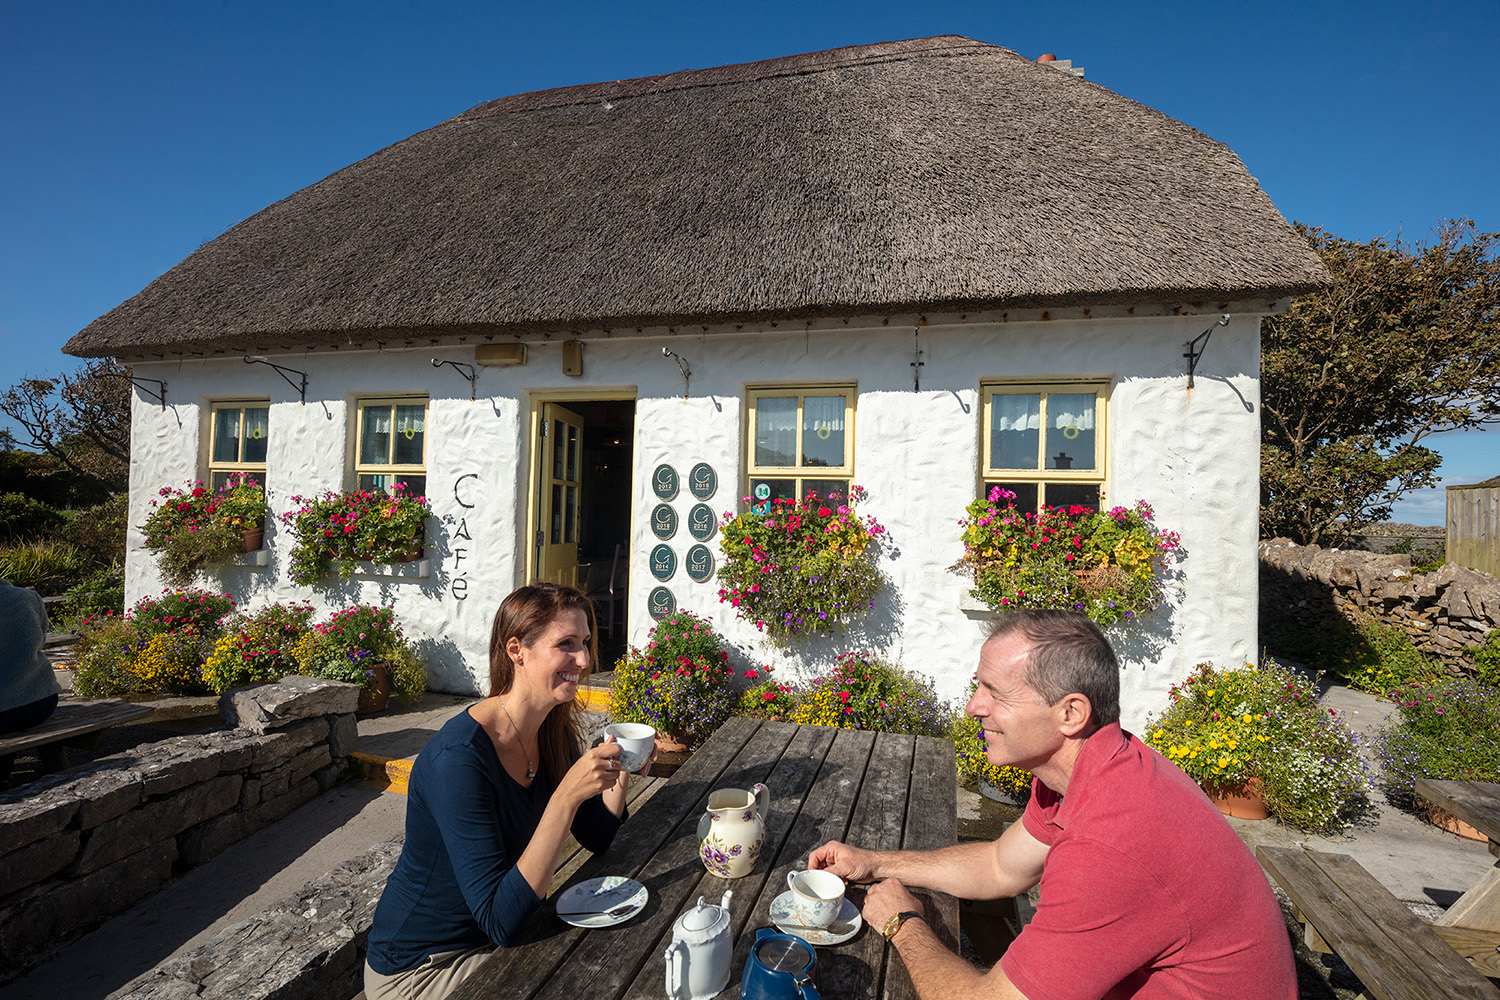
point(557, 514)
point(227, 436)
point(1015, 425)
point(559, 450)
point(570, 517)
point(823, 431)
point(776, 431)
point(1073, 495)
point(1070, 430)
point(411, 425)
point(1025, 500)
point(255, 434)
point(572, 471)
point(375, 439)
point(833, 490)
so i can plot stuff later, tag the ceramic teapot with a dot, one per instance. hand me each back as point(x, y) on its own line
point(699, 957)
point(733, 829)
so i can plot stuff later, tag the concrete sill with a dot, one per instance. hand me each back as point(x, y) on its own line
point(420, 569)
point(971, 605)
point(260, 557)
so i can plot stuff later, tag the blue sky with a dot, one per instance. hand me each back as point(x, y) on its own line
point(133, 132)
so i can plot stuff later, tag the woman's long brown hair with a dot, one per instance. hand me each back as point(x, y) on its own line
point(525, 614)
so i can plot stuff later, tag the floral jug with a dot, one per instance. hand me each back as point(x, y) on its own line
point(733, 829)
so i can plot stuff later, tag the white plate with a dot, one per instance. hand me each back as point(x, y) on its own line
point(601, 902)
point(844, 926)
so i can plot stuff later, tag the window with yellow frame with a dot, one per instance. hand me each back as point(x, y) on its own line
point(800, 441)
point(237, 440)
point(391, 444)
point(1045, 442)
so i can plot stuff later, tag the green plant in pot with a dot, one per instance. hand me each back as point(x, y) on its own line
point(191, 528)
point(258, 647)
point(354, 646)
point(681, 683)
point(865, 691)
point(339, 529)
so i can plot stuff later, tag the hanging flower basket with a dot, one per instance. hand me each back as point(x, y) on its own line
point(193, 528)
point(340, 529)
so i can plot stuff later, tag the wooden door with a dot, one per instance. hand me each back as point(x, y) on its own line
point(560, 453)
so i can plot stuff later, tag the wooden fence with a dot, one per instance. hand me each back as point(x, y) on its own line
point(1474, 527)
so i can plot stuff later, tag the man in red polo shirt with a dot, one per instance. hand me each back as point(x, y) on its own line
point(1146, 891)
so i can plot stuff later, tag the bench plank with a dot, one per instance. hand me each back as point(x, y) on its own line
point(1395, 954)
point(73, 719)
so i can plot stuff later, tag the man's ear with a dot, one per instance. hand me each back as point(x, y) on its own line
point(1074, 714)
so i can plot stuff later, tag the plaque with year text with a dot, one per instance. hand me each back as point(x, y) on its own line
point(700, 564)
point(664, 482)
point(663, 521)
point(703, 481)
point(663, 562)
point(660, 603)
point(701, 522)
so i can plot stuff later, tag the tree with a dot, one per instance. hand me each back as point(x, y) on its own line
point(1404, 344)
point(81, 420)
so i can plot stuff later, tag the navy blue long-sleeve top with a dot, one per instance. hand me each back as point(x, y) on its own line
point(467, 822)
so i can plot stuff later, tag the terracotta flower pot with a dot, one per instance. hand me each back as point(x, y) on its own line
point(253, 539)
point(369, 704)
point(1246, 800)
point(1444, 820)
point(670, 742)
point(412, 554)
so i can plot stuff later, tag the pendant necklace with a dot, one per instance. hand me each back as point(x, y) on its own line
point(530, 764)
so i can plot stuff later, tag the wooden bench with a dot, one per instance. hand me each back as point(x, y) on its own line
point(76, 724)
point(1395, 953)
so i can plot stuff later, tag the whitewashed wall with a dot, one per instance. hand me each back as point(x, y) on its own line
point(1193, 455)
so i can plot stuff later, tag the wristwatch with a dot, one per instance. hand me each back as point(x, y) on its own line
point(893, 924)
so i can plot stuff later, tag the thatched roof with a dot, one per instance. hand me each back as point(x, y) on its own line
point(940, 174)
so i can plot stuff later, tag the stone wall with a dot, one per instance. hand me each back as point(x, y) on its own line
point(1446, 613)
point(84, 844)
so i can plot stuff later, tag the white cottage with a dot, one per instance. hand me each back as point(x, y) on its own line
point(911, 266)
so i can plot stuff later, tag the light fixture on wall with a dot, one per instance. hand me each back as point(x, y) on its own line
point(159, 393)
point(682, 366)
point(459, 367)
point(301, 389)
point(1195, 351)
point(500, 355)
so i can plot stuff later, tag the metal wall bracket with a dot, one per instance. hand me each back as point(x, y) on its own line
point(301, 389)
point(682, 366)
point(459, 367)
point(1195, 350)
point(917, 363)
point(159, 393)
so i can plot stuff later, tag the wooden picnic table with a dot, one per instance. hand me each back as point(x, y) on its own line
point(1472, 924)
point(878, 790)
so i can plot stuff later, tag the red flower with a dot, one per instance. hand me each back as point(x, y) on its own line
point(824, 512)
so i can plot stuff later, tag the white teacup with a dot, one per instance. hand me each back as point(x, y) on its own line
point(636, 741)
point(817, 897)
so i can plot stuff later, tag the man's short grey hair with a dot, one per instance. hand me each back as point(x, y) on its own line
point(1069, 655)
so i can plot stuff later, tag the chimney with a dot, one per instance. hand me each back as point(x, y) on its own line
point(1063, 65)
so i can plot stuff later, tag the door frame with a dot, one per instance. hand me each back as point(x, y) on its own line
point(533, 457)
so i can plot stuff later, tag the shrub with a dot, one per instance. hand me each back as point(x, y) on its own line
point(681, 683)
point(1223, 727)
point(1487, 659)
point(191, 528)
point(408, 674)
point(864, 691)
point(25, 519)
point(257, 647)
point(100, 530)
point(767, 698)
point(348, 644)
point(172, 661)
point(101, 592)
point(341, 528)
point(105, 654)
point(1105, 564)
point(1383, 658)
point(796, 567)
point(1445, 729)
point(974, 763)
point(48, 567)
point(179, 610)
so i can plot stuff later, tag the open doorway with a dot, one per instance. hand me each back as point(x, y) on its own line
point(581, 505)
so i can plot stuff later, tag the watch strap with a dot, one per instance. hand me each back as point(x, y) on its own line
point(894, 922)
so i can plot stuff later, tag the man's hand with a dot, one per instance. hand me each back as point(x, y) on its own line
point(852, 864)
point(886, 898)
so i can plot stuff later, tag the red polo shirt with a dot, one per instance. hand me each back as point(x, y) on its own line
point(1146, 891)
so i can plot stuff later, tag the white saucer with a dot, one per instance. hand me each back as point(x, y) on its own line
point(595, 902)
point(844, 926)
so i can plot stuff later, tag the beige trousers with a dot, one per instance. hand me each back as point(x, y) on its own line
point(437, 976)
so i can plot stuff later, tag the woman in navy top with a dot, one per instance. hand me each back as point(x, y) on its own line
point(492, 798)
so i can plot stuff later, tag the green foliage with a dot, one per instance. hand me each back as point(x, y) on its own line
point(191, 528)
point(257, 647)
point(1223, 727)
point(1405, 344)
point(48, 567)
point(681, 683)
point(101, 592)
point(408, 674)
point(1370, 655)
point(864, 691)
point(100, 530)
point(343, 528)
point(81, 421)
point(800, 567)
point(1445, 729)
point(105, 653)
point(177, 610)
point(1487, 659)
point(766, 697)
point(23, 519)
point(349, 644)
point(1104, 564)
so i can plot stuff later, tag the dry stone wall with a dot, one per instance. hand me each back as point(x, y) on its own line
point(1446, 613)
point(84, 844)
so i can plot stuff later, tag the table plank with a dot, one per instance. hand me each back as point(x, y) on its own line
point(931, 822)
point(789, 785)
point(517, 973)
point(605, 962)
point(1477, 803)
point(573, 855)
